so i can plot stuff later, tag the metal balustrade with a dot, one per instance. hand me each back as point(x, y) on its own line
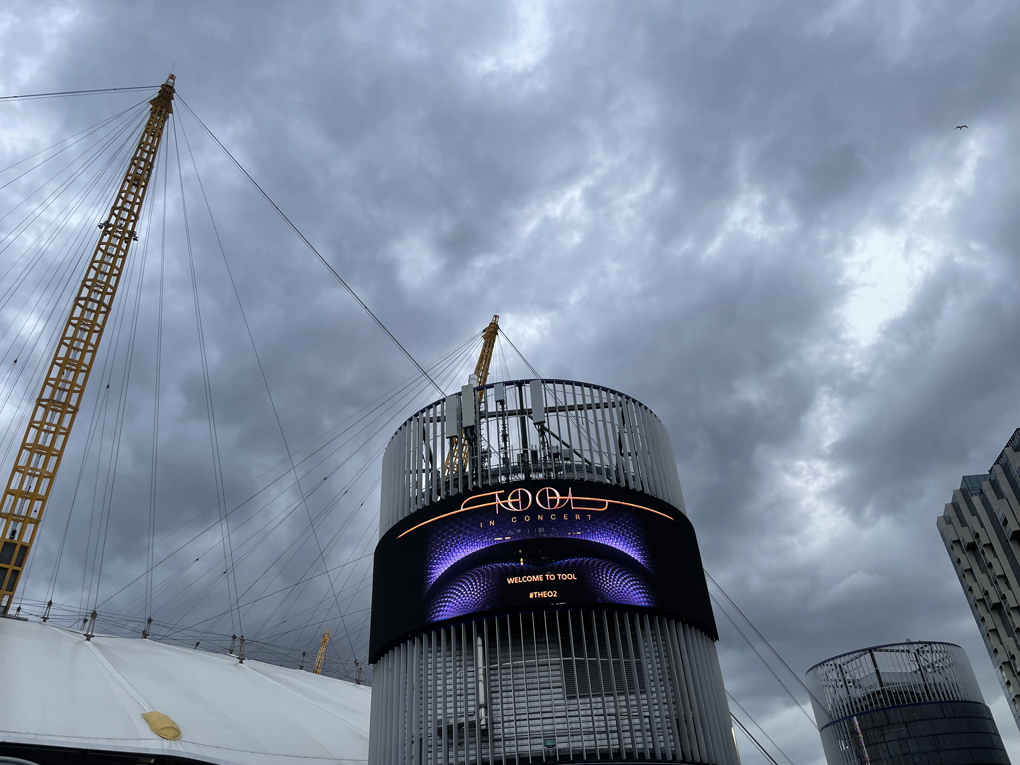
point(903, 704)
point(521, 430)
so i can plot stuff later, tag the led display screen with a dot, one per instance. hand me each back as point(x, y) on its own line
point(535, 545)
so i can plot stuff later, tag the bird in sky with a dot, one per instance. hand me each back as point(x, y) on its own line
point(960, 127)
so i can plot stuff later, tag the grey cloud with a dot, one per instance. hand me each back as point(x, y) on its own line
point(667, 199)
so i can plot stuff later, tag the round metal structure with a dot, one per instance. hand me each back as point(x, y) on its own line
point(538, 592)
point(904, 703)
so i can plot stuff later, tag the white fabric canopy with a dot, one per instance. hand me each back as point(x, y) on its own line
point(61, 690)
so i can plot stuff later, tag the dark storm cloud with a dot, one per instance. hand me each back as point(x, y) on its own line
point(757, 220)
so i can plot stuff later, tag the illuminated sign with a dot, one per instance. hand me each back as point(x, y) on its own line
point(536, 545)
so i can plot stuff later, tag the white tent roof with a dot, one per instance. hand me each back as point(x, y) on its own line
point(61, 690)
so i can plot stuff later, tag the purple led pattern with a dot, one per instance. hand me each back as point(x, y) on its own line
point(454, 539)
point(484, 588)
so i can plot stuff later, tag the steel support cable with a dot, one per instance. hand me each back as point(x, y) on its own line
point(288, 651)
point(298, 541)
point(151, 556)
point(761, 637)
point(67, 277)
point(74, 496)
point(360, 626)
point(368, 463)
point(459, 376)
point(45, 204)
point(314, 251)
point(56, 303)
point(80, 135)
point(48, 293)
point(753, 740)
point(310, 567)
point(90, 153)
point(96, 149)
point(62, 93)
point(52, 296)
point(528, 363)
point(349, 550)
point(315, 610)
point(228, 552)
point(55, 228)
point(362, 623)
point(118, 315)
point(118, 319)
point(63, 539)
point(11, 369)
point(264, 597)
point(84, 599)
point(364, 414)
point(106, 506)
point(28, 392)
point(130, 619)
point(278, 652)
point(762, 659)
point(278, 520)
point(327, 509)
point(258, 360)
point(360, 414)
point(357, 590)
point(336, 538)
point(179, 627)
point(137, 266)
point(365, 623)
point(351, 561)
point(758, 726)
point(502, 356)
point(90, 129)
point(306, 577)
point(365, 574)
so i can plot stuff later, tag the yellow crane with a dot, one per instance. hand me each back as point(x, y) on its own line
point(479, 377)
point(42, 448)
point(317, 669)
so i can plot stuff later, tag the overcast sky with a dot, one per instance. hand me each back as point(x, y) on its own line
point(757, 220)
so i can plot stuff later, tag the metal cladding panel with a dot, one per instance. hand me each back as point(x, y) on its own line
point(526, 430)
point(566, 686)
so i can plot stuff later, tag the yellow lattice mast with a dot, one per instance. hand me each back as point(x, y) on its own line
point(485, 357)
point(478, 378)
point(317, 669)
point(41, 450)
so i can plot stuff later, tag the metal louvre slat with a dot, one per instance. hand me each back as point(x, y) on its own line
point(679, 675)
point(668, 689)
point(426, 702)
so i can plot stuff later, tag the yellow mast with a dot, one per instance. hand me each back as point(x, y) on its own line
point(488, 343)
point(45, 439)
point(317, 669)
point(481, 375)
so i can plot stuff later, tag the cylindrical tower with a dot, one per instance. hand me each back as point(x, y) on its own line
point(538, 592)
point(903, 704)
